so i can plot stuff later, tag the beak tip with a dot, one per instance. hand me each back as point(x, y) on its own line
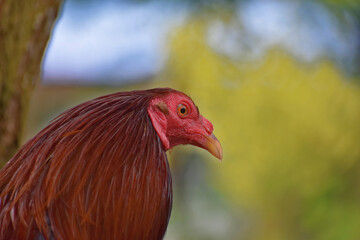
point(214, 147)
point(220, 154)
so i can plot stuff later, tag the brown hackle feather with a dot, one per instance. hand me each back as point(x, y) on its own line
point(97, 171)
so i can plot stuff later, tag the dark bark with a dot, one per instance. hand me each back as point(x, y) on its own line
point(25, 27)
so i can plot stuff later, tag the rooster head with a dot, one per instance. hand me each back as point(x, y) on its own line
point(177, 120)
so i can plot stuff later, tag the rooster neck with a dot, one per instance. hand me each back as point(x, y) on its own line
point(98, 171)
point(149, 200)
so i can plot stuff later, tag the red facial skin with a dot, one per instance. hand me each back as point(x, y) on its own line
point(175, 128)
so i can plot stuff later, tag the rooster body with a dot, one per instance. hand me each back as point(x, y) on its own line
point(99, 170)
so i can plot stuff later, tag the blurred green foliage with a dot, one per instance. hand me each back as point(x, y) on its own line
point(343, 3)
point(290, 133)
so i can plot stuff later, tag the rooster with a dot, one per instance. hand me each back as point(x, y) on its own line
point(99, 170)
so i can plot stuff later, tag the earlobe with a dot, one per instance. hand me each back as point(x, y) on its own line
point(157, 112)
point(162, 107)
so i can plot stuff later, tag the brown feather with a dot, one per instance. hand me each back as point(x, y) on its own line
point(97, 171)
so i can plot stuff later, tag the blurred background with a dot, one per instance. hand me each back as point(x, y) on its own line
point(280, 81)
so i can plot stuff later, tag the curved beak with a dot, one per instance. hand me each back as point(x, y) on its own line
point(213, 146)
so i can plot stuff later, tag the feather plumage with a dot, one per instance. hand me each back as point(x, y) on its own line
point(97, 171)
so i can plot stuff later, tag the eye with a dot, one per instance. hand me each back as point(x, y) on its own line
point(182, 110)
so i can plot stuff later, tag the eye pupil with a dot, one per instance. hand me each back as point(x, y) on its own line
point(182, 110)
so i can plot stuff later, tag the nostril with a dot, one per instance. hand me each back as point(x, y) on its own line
point(207, 125)
point(208, 129)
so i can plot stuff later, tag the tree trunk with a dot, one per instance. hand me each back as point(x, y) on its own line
point(25, 27)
